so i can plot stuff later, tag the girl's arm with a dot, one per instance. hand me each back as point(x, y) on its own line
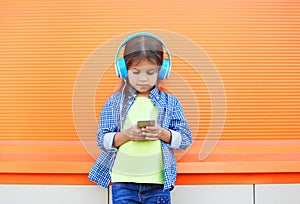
point(166, 136)
point(119, 139)
point(108, 125)
point(179, 128)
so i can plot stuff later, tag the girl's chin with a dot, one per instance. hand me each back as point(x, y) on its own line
point(144, 90)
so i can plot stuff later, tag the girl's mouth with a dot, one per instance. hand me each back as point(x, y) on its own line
point(143, 85)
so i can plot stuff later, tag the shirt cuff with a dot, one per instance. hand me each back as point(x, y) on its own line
point(176, 139)
point(109, 141)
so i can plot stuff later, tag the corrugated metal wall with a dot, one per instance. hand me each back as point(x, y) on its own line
point(253, 45)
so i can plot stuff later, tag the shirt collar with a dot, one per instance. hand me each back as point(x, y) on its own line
point(154, 93)
point(154, 96)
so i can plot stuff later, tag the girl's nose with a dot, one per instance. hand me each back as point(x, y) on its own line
point(143, 77)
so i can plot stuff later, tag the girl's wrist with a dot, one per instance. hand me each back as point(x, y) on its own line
point(120, 138)
point(166, 136)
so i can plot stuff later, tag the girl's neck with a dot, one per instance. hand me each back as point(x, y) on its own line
point(147, 95)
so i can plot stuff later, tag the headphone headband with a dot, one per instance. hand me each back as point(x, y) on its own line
point(120, 64)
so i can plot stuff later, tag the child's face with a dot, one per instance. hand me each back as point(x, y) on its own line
point(143, 76)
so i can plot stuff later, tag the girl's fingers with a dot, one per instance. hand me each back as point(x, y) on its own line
point(151, 138)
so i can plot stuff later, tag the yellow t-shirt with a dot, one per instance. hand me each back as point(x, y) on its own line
point(142, 161)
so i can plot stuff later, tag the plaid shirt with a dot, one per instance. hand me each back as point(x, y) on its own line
point(170, 117)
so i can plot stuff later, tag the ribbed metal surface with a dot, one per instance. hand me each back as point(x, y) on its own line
point(254, 46)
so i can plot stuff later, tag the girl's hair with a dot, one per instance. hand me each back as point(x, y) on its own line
point(143, 48)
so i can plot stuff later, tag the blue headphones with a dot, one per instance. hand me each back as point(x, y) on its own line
point(120, 64)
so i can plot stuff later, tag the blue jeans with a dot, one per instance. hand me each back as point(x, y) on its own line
point(137, 193)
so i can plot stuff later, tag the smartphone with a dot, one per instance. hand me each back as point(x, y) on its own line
point(144, 123)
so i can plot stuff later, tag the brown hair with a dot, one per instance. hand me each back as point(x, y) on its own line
point(141, 48)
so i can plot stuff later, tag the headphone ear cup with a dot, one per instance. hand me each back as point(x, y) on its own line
point(164, 71)
point(121, 68)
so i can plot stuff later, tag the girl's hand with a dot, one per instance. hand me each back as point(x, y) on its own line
point(134, 133)
point(152, 132)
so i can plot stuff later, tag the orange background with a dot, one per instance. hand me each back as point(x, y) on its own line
point(254, 45)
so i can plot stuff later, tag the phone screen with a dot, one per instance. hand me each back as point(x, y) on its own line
point(144, 123)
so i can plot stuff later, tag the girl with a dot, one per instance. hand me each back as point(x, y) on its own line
point(139, 161)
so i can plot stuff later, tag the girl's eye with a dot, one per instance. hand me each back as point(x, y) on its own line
point(135, 71)
point(151, 72)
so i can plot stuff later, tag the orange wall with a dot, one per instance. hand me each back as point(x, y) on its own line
point(253, 47)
